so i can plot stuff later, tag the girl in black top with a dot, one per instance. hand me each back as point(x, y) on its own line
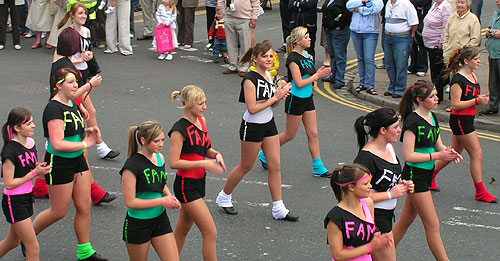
point(299, 106)
point(379, 157)
point(19, 166)
point(421, 145)
point(189, 146)
point(465, 96)
point(258, 130)
point(69, 178)
point(146, 195)
point(350, 226)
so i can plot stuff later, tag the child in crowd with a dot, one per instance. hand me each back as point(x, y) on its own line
point(276, 62)
point(353, 213)
point(111, 7)
point(166, 15)
point(218, 35)
point(147, 222)
point(19, 166)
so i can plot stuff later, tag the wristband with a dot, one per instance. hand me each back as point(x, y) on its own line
point(389, 195)
point(33, 173)
point(476, 101)
point(430, 156)
point(90, 84)
point(369, 248)
point(84, 145)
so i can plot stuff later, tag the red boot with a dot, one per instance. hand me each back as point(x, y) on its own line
point(99, 195)
point(483, 195)
point(434, 186)
point(40, 189)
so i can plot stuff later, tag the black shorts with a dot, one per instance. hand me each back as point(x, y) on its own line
point(384, 219)
point(17, 207)
point(140, 231)
point(187, 190)
point(422, 178)
point(461, 124)
point(64, 169)
point(256, 132)
point(297, 106)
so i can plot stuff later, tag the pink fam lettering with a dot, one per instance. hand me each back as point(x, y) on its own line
point(27, 157)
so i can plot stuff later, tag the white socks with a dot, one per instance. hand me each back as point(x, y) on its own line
point(102, 149)
point(279, 210)
point(224, 200)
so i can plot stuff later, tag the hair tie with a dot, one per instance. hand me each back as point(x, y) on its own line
point(9, 130)
point(137, 134)
point(362, 178)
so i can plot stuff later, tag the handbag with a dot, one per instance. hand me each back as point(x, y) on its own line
point(163, 36)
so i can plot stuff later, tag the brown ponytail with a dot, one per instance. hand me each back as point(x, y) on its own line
point(72, 11)
point(347, 174)
point(458, 58)
point(419, 90)
point(148, 130)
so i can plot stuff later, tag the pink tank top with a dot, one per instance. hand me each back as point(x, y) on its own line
point(368, 218)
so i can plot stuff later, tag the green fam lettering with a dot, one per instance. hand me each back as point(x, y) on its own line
point(431, 135)
point(152, 176)
point(71, 117)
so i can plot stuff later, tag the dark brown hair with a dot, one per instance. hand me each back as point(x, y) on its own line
point(349, 173)
point(59, 75)
point(71, 12)
point(382, 117)
point(68, 42)
point(421, 89)
point(458, 59)
point(17, 116)
point(258, 49)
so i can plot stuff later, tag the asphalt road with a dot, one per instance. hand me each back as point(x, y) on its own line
point(137, 88)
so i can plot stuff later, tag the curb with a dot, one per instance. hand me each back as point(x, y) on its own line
point(442, 116)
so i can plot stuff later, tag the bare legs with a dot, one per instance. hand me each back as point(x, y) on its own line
point(421, 204)
point(21, 231)
point(197, 212)
point(164, 246)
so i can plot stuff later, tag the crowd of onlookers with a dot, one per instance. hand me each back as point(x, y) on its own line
point(426, 31)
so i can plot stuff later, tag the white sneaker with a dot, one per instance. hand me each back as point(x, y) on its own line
point(109, 51)
point(102, 5)
point(2, 46)
point(161, 56)
point(44, 35)
point(29, 35)
point(110, 10)
point(421, 74)
point(169, 57)
point(17, 47)
point(187, 46)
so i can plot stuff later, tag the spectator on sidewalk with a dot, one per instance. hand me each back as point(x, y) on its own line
point(40, 18)
point(240, 16)
point(365, 27)
point(336, 21)
point(305, 13)
point(149, 8)
point(401, 21)
point(475, 7)
point(185, 22)
point(210, 6)
point(433, 34)
point(285, 24)
point(493, 45)
point(118, 26)
point(419, 63)
point(462, 29)
point(6, 7)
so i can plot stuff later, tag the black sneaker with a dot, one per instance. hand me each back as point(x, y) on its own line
point(289, 217)
point(488, 112)
point(324, 175)
point(95, 257)
point(107, 198)
point(264, 165)
point(112, 154)
point(282, 49)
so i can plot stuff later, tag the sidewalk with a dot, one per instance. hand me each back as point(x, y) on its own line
point(490, 123)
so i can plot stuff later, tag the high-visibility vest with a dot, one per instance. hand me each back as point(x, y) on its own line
point(90, 4)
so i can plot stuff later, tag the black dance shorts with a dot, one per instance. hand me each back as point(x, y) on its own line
point(17, 207)
point(384, 219)
point(422, 178)
point(64, 169)
point(297, 106)
point(187, 189)
point(140, 231)
point(461, 124)
point(256, 132)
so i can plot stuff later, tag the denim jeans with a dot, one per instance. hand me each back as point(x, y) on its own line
point(418, 55)
point(219, 47)
point(365, 45)
point(337, 47)
point(397, 50)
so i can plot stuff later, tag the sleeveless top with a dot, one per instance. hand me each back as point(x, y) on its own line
point(355, 231)
point(195, 146)
point(85, 43)
point(306, 67)
point(470, 90)
point(264, 90)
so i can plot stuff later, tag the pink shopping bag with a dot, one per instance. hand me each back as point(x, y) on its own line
point(163, 35)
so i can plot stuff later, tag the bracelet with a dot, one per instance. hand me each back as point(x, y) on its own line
point(389, 194)
point(476, 101)
point(217, 154)
point(369, 248)
point(33, 173)
point(430, 156)
point(84, 145)
point(90, 84)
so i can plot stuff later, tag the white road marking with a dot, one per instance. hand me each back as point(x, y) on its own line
point(251, 182)
point(252, 204)
point(455, 221)
point(196, 59)
point(477, 211)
